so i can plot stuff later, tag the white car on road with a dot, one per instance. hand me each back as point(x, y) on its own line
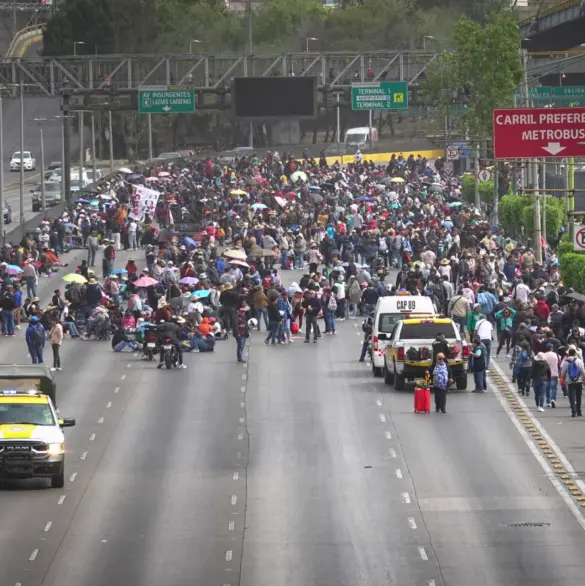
point(28, 162)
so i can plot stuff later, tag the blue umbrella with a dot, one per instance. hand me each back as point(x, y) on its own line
point(119, 271)
point(70, 226)
point(259, 206)
point(94, 202)
point(190, 241)
point(134, 176)
point(363, 198)
point(201, 293)
point(81, 201)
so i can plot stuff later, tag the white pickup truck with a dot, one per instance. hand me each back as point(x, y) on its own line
point(410, 351)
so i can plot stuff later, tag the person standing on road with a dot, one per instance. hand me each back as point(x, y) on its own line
point(478, 366)
point(31, 278)
point(540, 376)
point(484, 330)
point(312, 308)
point(92, 248)
point(8, 306)
point(505, 321)
point(56, 337)
point(35, 337)
point(241, 333)
point(573, 372)
point(441, 380)
point(553, 361)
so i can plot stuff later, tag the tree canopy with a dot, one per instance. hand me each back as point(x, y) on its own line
point(149, 26)
point(481, 73)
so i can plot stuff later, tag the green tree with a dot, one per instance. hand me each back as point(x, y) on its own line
point(482, 72)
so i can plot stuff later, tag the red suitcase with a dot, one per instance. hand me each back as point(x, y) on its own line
point(422, 400)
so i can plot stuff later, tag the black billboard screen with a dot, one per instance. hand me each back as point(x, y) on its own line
point(274, 97)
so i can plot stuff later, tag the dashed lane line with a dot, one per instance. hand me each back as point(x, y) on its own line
point(117, 390)
point(73, 477)
point(392, 452)
point(100, 420)
point(33, 556)
point(423, 554)
point(232, 526)
point(234, 499)
point(83, 456)
point(412, 522)
point(236, 476)
point(92, 437)
point(406, 498)
point(48, 526)
point(108, 404)
point(382, 418)
point(61, 499)
point(388, 435)
point(399, 473)
point(228, 555)
point(123, 377)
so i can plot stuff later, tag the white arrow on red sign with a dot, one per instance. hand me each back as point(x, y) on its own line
point(554, 148)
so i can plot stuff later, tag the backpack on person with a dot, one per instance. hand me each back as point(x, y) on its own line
point(332, 303)
point(39, 336)
point(573, 371)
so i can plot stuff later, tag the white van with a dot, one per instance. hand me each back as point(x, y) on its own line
point(390, 310)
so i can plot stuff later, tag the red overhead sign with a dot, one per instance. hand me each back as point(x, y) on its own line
point(526, 133)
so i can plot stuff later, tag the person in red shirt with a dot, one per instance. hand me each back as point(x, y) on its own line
point(541, 308)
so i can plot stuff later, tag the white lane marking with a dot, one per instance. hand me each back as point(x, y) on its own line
point(123, 377)
point(129, 365)
point(406, 498)
point(228, 555)
point(83, 456)
point(382, 418)
point(399, 473)
point(239, 455)
point(92, 437)
point(549, 440)
point(236, 475)
point(117, 390)
point(539, 457)
point(48, 526)
point(20, 583)
point(244, 376)
point(73, 477)
point(240, 436)
point(100, 420)
point(242, 404)
point(33, 555)
point(243, 389)
point(412, 522)
point(388, 435)
point(135, 354)
point(431, 583)
point(242, 420)
point(392, 452)
point(61, 499)
point(231, 526)
point(423, 554)
point(234, 499)
point(379, 403)
point(108, 404)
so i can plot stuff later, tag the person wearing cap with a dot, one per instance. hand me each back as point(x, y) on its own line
point(540, 376)
point(35, 337)
point(109, 257)
point(442, 377)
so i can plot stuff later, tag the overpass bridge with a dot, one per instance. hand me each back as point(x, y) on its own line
point(45, 77)
point(558, 27)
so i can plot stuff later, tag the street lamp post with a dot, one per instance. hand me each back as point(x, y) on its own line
point(75, 43)
point(425, 41)
point(307, 42)
point(191, 44)
point(43, 198)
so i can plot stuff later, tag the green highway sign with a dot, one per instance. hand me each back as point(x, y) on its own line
point(165, 100)
point(379, 95)
point(558, 96)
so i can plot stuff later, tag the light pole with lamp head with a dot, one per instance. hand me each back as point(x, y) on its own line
point(43, 198)
point(75, 43)
point(307, 42)
point(197, 41)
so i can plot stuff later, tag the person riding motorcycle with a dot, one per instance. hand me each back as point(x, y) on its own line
point(170, 330)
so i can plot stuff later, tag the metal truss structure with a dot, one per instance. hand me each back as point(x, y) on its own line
point(47, 76)
point(25, 7)
point(556, 14)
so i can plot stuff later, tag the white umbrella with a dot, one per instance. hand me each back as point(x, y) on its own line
point(164, 174)
point(125, 170)
point(240, 263)
point(236, 254)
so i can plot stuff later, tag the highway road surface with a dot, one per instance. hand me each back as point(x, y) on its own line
point(296, 469)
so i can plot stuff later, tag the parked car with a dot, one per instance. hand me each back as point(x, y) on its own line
point(28, 162)
point(52, 195)
point(52, 166)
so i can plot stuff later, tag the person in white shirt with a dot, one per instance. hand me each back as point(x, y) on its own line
point(483, 331)
point(521, 293)
point(132, 229)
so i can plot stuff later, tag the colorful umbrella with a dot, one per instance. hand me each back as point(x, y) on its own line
point(259, 206)
point(240, 263)
point(201, 293)
point(151, 179)
point(145, 282)
point(396, 180)
point(189, 281)
point(75, 278)
point(190, 241)
point(164, 174)
point(13, 270)
point(124, 170)
point(238, 192)
point(298, 175)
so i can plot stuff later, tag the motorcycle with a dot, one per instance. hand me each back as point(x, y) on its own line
point(169, 354)
point(150, 347)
